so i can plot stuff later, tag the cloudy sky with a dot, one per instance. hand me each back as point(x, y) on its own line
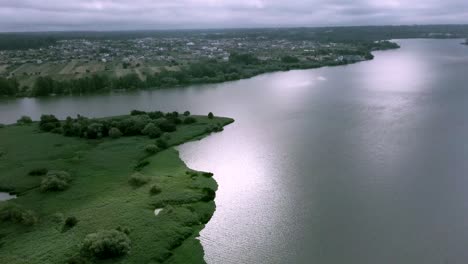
point(39, 15)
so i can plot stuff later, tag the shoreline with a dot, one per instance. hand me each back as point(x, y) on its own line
point(186, 196)
point(249, 71)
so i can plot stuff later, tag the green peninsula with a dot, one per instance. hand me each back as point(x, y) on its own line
point(109, 190)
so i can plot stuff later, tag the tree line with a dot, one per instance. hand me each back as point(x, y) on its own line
point(239, 66)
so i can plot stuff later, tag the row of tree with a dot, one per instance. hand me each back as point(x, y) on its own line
point(152, 124)
point(240, 66)
point(8, 87)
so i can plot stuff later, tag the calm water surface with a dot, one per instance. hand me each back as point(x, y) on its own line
point(366, 163)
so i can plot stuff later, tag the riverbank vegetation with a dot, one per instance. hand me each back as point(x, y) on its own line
point(88, 196)
point(238, 66)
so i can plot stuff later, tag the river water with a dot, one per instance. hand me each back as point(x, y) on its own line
point(364, 163)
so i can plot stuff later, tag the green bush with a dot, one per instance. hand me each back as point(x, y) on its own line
point(71, 221)
point(16, 214)
point(2, 125)
point(55, 181)
point(210, 115)
point(186, 113)
point(38, 172)
point(138, 180)
point(156, 114)
point(124, 230)
point(208, 174)
point(167, 126)
point(208, 195)
point(57, 130)
point(151, 149)
point(48, 123)
point(162, 144)
point(141, 164)
point(115, 133)
point(155, 189)
point(152, 131)
point(137, 112)
point(106, 244)
point(24, 120)
point(94, 131)
point(190, 120)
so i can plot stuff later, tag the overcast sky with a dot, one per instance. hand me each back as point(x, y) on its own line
point(40, 15)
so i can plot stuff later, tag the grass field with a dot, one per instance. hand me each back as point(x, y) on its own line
point(101, 198)
point(28, 72)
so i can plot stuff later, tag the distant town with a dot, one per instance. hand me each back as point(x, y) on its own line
point(38, 64)
point(144, 56)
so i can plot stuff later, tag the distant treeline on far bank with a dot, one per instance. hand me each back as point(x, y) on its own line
point(239, 66)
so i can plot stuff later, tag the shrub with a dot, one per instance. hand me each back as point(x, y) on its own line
point(123, 230)
point(16, 214)
point(151, 149)
point(57, 218)
point(166, 136)
point(71, 221)
point(106, 244)
point(94, 130)
point(155, 189)
point(48, 123)
point(38, 172)
point(190, 120)
point(156, 115)
point(24, 120)
point(172, 115)
point(57, 130)
point(141, 164)
point(2, 125)
point(138, 180)
point(210, 115)
point(208, 174)
point(115, 133)
point(167, 126)
point(55, 181)
point(162, 144)
point(151, 130)
point(186, 113)
point(218, 128)
point(208, 195)
point(137, 112)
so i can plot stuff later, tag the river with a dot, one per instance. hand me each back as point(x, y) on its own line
point(364, 163)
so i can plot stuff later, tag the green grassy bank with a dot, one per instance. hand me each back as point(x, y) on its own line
point(114, 184)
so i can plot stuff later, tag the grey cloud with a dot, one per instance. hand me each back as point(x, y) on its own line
point(25, 15)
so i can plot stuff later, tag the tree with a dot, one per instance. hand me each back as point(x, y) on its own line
point(151, 130)
point(55, 181)
point(48, 123)
point(162, 144)
point(210, 115)
point(167, 126)
point(289, 59)
point(106, 244)
point(151, 149)
point(71, 221)
point(43, 86)
point(115, 133)
point(95, 130)
point(24, 120)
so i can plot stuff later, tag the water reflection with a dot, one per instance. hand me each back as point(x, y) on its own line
point(357, 164)
point(6, 196)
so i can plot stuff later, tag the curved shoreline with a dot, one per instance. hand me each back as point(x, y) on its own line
point(101, 189)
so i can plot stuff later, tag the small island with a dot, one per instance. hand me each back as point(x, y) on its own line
point(112, 189)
